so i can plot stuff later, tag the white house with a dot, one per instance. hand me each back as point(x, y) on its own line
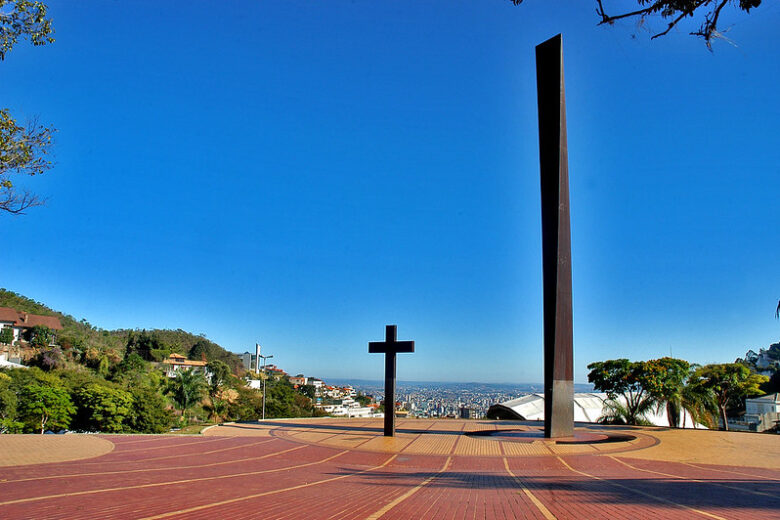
point(761, 414)
point(176, 362)
point(21, 322)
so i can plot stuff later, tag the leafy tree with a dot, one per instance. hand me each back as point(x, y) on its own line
point(23, 19)
point(309, 391)
point(44, 406)
point(8, 403)
point(187, 389)
point(23, 150)
point(665, 380)
point(41, 337)
point(730, 383)
point(149, 413)
point(220, 375)
point(621, 377)
point(699, 400)
point(247, 406)
point(6, 335)
point(219, 403)
point(102, 408)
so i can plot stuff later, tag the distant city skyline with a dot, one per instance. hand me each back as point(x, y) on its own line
point(301, 175)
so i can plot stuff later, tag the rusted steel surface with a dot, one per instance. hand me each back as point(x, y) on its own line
point(556, 240)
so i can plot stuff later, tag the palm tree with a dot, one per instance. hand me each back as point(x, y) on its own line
point(616, 412)
point(187, 388)
point(699, 401)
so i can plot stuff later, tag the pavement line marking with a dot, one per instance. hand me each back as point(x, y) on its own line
point(633, 490)
point(171, 483)
point(122, 452)
point(71, 475)
point(538, 503)
point(763, 477)
point(391, 505)
point(273, 492)
point(693, 479)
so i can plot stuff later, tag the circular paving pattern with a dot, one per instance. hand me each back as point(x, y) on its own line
point(444, 437)
point(345, 469)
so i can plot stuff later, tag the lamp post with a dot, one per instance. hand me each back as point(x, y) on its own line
point(265, 376)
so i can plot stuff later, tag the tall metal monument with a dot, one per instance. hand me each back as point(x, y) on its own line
point(556, 241)
point(390, 347)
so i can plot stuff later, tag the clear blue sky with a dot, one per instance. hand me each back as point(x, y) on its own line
point(303, 173)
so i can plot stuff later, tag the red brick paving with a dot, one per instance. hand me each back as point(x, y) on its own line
point(266, 477)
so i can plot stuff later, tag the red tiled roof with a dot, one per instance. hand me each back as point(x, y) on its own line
point(26, 320)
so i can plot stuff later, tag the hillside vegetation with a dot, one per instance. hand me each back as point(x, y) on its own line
point(91, 379)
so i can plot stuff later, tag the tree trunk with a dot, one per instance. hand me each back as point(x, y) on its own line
point(723, 416)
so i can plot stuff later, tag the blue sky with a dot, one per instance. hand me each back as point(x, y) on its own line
point(303, 173)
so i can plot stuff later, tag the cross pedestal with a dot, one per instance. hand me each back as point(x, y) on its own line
point(390, 347)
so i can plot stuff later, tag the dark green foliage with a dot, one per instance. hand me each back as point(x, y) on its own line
point(150, 413)
point(213, 352)
point(40, 336)
point(187, 389)
point(8, 405)
point(101, 408)
point(283, 401)
point(6, 335)
point(248, 405)
point(44, 407)
point(363, 399)
point(730, 384)
point(309, 391)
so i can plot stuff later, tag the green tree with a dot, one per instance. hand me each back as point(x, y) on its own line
point(730, 383)
point(699, 400)
point(187, 389)
point(6, 335)
point(44, 406)
point(310, 391)
point(220, 375)
point(150, 413)
point(247, 406)
point(665, 380)
point(23, 150)
point(621, 377)
point(102, 408)
point(8, 403)
point(41, 337)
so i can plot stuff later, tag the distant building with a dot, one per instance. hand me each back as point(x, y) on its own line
point(248, 361)
point(761, 414)
point(23, 322)
point(177, 362)
point(466, 413)
point(296, 380)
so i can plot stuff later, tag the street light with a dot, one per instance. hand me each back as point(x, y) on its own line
point(265, 376)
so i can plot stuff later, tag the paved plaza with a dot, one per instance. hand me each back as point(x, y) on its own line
point(345, 468)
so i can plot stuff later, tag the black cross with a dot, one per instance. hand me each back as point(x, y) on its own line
point(390, 347)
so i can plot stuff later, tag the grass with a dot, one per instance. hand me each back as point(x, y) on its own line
point(192, 429)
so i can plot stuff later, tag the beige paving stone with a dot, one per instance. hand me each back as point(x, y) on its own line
point(19, 450)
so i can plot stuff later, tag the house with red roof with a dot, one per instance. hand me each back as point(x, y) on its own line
point(22, 322)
